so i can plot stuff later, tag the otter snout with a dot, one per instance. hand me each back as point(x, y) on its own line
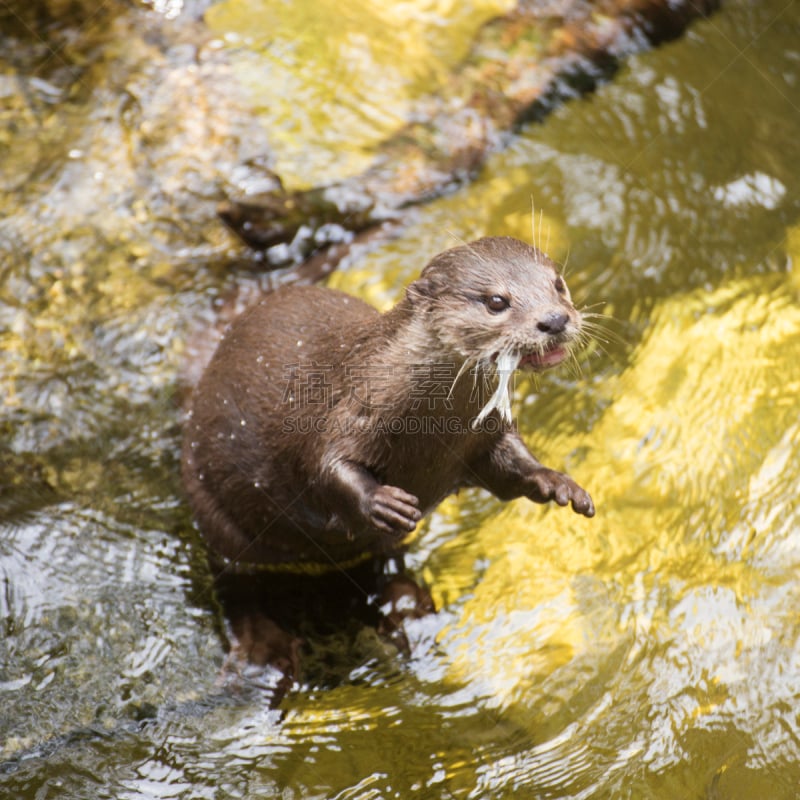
point(553, 322)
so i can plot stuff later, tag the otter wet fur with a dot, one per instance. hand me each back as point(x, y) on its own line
point(322, 431)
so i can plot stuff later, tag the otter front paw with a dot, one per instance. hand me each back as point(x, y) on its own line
point(547, 484)
point(393, 510)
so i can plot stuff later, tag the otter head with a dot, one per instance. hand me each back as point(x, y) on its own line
point(498, 300)
point(496, 305)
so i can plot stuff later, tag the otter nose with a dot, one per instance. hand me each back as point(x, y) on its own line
point(553, 322)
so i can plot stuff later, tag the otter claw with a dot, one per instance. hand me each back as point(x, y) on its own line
point(394, 510)
point(582, 503)
point(551, 485)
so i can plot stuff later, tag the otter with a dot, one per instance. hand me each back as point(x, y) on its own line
point(322, 431)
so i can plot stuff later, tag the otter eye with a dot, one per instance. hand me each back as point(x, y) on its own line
point(561, 287)
point(497, 303)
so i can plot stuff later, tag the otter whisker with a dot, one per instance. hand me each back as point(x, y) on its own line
point(565, 265)
point(598, 315)
point(590, 344)
point(596, 323)
point(468, 246)
point(457, 238)
point(586, 308)
point(603, 332)
point(541, 214)
point(547, 241)
point(574, 363)
point(589, 334)
point(464, 367)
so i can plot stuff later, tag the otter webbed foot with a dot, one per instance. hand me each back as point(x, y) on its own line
point(547, 484)
point(392, 510)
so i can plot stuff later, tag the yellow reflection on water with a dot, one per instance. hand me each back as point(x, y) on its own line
point(694, 468)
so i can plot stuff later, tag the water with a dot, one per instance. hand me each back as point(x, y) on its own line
point(649, 652)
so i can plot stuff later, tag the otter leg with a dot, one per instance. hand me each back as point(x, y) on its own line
point(361, 501)
point(400, 599)
point(262, 653)
point(510, 470)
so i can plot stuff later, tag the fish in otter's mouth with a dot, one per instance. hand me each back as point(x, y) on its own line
point(505, 364)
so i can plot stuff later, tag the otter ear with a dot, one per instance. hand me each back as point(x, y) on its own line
point(423, 288)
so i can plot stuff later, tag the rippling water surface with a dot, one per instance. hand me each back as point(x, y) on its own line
point(653, 651)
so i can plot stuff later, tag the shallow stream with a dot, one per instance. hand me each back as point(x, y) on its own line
point(650, 652)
